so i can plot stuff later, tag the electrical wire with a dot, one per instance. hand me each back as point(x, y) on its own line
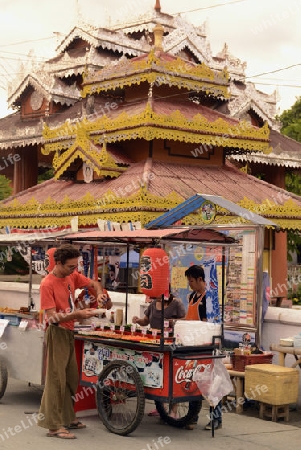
point(26, 42)
point(208, 7)
point(249, 77)
point(274, 71)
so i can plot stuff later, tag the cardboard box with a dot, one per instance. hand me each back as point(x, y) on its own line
point(272, 384)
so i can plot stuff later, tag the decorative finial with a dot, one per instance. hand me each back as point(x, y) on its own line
point(157, 6)
point(158, 37)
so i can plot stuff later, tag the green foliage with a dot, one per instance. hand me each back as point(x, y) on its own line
point(47, 175)
point(15, 264)
point(291, 121)
point(291, 127)
point(293, 182)
point(293, 243)
point(295, 295)
point(5, 187)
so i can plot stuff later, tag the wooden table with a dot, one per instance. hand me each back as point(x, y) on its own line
point(238, 381)
point(283, 351)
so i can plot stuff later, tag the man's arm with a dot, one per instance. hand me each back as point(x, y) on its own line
point(57, 317)
point(143, 322)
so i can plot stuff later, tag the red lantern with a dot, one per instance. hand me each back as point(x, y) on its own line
point(49, 260)
point(154, 272)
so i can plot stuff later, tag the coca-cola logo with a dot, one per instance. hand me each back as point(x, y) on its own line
point(184, 375)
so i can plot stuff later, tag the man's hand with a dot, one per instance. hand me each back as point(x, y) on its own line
point(102, 300)
point(86, 313)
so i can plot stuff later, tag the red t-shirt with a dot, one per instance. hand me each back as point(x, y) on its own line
point(58, 293)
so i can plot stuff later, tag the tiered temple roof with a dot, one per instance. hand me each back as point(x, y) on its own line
point(177, 115)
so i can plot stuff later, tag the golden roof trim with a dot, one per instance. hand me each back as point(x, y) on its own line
point(152, 69)
point(150, 125)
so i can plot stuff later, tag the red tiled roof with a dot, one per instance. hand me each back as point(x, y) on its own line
point(167, 106)
point(284, 143)
point(167, 178)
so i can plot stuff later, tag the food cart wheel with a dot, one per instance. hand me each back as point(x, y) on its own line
point(3, 378)
point(178, 414)
point(120, 397)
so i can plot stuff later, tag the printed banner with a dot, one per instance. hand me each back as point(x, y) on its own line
point(148, 364)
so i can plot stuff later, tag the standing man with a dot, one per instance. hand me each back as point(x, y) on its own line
point(57, 299)
point(197, 311)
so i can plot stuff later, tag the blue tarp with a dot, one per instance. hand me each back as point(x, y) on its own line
point(133, 260)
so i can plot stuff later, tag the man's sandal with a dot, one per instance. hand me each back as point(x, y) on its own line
point(76, 426)
point(61, 434)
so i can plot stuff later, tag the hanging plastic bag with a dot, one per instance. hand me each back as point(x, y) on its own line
point(214, 382)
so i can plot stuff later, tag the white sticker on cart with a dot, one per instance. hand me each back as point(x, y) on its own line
point(148, 364)
point(3, 325)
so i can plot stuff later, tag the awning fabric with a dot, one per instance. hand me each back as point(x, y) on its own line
point(132, 262)
point(188, 234)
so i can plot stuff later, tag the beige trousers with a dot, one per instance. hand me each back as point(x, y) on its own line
point(61, 379)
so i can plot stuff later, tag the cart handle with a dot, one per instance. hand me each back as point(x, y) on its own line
point(193, 356)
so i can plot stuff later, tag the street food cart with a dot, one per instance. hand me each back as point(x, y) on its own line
point(125, 366)
point(22, 349)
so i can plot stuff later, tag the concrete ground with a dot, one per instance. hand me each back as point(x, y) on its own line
point(240, 432)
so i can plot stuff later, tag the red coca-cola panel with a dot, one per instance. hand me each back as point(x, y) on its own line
point(183, 374)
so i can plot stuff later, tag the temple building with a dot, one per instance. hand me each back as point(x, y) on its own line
point(135, 121)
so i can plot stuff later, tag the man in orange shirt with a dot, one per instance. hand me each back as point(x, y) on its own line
point(57, 299)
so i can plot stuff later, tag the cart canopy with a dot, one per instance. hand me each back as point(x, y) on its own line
point(175, 234)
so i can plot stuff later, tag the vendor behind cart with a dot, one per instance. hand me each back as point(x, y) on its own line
point(57, 299)
point(197, 310)
point(173, 309)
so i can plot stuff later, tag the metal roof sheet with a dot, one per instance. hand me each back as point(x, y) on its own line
point(31, 238)
point(196, 201)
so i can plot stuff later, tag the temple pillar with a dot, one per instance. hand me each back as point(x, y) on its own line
point(279, 267)
point(25, 168)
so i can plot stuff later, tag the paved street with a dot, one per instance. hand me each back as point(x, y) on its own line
point(243, 432)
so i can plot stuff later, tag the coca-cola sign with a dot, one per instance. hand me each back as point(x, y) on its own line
point(185, 372)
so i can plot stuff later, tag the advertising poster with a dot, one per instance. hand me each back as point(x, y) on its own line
point(148, 364)
point(240, 304)
point(185, 255)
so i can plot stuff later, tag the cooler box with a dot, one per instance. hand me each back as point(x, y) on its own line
point(282, 384)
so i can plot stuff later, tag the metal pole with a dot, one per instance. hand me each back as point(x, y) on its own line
point(127, 281)
point(162, 323)
point(30, 300)
point(259, 276)
point(223, 293)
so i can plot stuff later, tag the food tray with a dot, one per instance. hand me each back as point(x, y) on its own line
point(239, 362)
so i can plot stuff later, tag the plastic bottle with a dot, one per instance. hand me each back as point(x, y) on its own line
point(112, 318)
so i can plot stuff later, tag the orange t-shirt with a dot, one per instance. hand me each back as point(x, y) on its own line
point(58, 293)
